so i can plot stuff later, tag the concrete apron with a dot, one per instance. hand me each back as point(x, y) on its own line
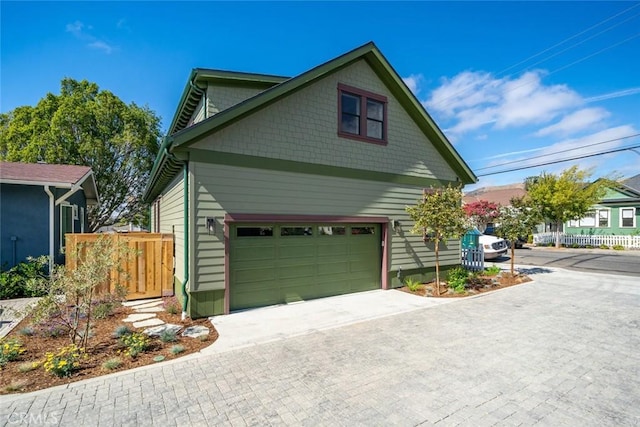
point(260, 325)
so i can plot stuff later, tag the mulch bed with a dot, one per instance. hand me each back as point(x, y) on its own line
point(475, 285)
point(102, 347)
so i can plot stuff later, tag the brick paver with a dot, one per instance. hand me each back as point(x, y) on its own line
point(564, 350)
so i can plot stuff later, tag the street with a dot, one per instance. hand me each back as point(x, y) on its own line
point(587, 260)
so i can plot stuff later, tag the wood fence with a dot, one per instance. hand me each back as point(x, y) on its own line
point(628, 242)
point(147, 275)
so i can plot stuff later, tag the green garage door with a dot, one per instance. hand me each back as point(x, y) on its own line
point(273, 263)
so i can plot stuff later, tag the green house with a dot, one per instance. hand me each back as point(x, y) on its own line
point(618, 213)
point(285, 189)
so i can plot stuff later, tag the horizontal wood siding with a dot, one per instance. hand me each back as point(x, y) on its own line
point(172, 219)
point(223, 189)
point(303, 127)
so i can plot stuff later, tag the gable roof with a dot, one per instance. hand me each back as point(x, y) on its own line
point(167, 165)
point(192, 92)
point(633, 182)
point(61, 176)
point(501, 195)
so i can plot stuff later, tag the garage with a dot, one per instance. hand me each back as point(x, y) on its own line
point(284, 263)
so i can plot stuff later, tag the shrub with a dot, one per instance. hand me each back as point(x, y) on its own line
point(15, 386)
point(168, 336)
point(494, 270)
point(24, 279)
point(121, 331)
point(135, 343)
point(618, 248)
point(27, 367)
point(64, 362)
point(27, 331)
point(457, 279)
point(111, 364)
point(171, 305)
point(177, 349)
point(103, 310)
point(412, 284)
point(10, 349)
point(603, 246)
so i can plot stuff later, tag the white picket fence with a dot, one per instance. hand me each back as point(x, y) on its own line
point(473, 259)
point(628, 242)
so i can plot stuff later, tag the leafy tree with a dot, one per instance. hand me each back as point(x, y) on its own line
point(439, 214)
point(481, 213)
point(517, 220)
point(84, 125)
point(567, 196)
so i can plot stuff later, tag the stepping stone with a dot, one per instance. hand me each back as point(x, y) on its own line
point(147, 323)
point(195, 331)
point(139, 302)
point(148, 305)
point(137, 317)
point(149, 310)
point(156, 331)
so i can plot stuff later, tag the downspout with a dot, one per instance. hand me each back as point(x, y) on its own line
point(185, 296)
point(51, 226)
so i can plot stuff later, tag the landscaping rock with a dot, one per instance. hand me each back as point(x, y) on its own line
point(140, 302)
point(156, 331)
point(148, 305)
point(148, 310)
point(195, 331)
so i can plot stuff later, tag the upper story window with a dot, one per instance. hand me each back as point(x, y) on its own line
point(362, 115)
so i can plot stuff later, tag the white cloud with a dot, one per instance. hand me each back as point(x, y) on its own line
point(79, 30)
point(75, 28)
point(414, 82)
point(100, 45)
point(476, 99)
point(577, 121)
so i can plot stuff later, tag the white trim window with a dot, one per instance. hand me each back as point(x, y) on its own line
point(627, 217)
point(597, 218)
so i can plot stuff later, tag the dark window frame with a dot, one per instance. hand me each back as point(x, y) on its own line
point(363, 96)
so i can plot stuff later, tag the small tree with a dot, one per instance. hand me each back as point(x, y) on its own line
point(515, 221)
point(481, 213)
point(566, 197)
point(71, 294)
point(440, 216)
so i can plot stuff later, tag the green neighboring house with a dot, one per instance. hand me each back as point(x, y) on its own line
point(618, 213)
point(285, 189)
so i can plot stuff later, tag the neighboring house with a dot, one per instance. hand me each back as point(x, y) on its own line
point(618, 213)
point(285, 189)
point(39, 203)
point(501, 195)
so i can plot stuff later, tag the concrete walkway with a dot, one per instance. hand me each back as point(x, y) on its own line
point(562, 350)
point(12, 311)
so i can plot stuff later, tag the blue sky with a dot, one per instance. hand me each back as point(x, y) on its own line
point(511, 83)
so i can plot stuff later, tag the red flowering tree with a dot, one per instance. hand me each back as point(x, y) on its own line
point(481, 213)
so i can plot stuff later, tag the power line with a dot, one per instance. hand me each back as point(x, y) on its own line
point(561, 161)
point(465, 89)
point(558, 152)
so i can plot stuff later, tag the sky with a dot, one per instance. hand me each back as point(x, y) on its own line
point(511, 84)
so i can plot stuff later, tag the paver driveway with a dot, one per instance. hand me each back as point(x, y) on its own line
point(564, 350)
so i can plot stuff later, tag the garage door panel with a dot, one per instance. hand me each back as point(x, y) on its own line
point(254, 275)
point(291, 266)
point(297, 271)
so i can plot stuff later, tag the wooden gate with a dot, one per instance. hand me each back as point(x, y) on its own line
point(147, 275)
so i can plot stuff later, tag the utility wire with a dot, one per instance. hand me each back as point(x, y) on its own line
point(465, 89)
point(617, 150)
point(558, 152)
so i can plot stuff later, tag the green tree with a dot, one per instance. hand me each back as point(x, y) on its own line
point(517, 220)
point(86, 126)
point(440, 216)
point(565, 197)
